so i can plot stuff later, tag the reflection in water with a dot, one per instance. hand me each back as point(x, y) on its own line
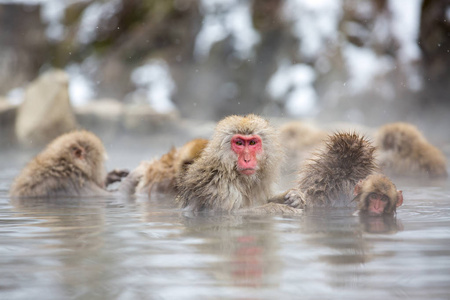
point(246, 245)
point(119, 248)
point(380, 224)
point(56, 245)
point(340, 244)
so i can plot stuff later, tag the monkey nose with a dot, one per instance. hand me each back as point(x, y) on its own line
point(377, 204)
point(247, 157)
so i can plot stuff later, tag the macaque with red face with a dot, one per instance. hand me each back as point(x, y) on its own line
point(160, 175)
point(71, 165)
point(377, 195)
point(236, 169)
point(404, 151)
point(247, 147)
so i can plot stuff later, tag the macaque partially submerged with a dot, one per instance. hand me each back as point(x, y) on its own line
point(377, 195)
point(71, 165)
point(328, 179)
point(342, 174)
point(236, 169)
point(160, 175)
point(404, 151)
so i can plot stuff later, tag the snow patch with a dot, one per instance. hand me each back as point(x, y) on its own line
point(294, 83)
point(405, 27)
point(154, 81)
point(223, 18)
point(92, 16)
point(364, 67)
point(81, 87)
point(315, 23)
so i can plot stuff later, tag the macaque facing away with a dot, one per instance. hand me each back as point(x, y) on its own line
point(236, 169)
point(329, 177)
point(404, 151)
point(377, 195)
point(71, 165)
point(160, 175)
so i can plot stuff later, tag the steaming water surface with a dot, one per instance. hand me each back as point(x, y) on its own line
point(116, 248)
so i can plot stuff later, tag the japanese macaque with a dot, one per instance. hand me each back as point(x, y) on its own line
point(159, 175)
point(236, 170)
point(404, 151)
point(329, 178)
point(377, 195)
point(71, 165)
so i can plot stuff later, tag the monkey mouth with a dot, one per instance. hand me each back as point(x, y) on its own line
point(247, 171)
point(375, 213)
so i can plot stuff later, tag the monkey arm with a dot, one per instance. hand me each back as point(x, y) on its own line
point(115, 176)
point(91, 189)
point(280, 198)
point(133, 179)
point(272, 209)
point(295, 198)
point(128, 185)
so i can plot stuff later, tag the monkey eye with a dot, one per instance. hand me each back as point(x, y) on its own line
point(375, 196)
point(239, 143)
point(252, 142)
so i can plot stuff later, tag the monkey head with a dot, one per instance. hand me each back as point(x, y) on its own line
point(84, 150)
point(247, 144)
point(399, 137)
point(377, 195)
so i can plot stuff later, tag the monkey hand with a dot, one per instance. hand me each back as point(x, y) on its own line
point(115, 175)
point(129, 184)
point(295, 198)
point(272, 209)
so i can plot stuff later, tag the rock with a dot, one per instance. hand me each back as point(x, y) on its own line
point(46, 111)
point(103, 115)
point(7, 119)
point(7, 114)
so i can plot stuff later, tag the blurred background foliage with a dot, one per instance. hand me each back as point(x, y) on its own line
point(368, 61)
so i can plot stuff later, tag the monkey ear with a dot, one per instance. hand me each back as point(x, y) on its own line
point(78, 152)
point(357, 189)
point(399, 198)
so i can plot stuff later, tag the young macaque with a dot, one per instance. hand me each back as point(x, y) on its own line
point(71, 165)
point(159, 175)
point(404, 151)
point(236, 170)
point(377, 195)
point(329, 178)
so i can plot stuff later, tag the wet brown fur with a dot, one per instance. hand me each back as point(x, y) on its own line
point(71, 165)
point(328, 179)
point(213, 182)
point(380, 184)
point(404, 151)
point(161, 174)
